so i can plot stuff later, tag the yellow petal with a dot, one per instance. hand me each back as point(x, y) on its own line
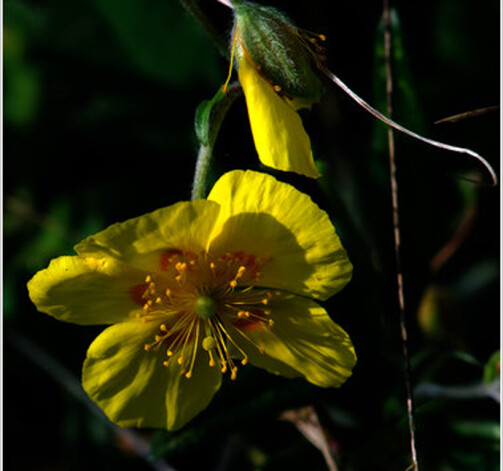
point(305, 340)
point(85, 291)
point(280, 138)
point(139, 241)
point(262, 216)
point(133, 387)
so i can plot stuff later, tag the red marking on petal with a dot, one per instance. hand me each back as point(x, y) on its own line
point(167, 257)
point(244, 324)
point(136, 292)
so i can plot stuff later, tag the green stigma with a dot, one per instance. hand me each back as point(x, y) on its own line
point(205, 307)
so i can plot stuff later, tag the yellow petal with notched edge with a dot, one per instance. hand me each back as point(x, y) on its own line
point(185, 225)
point(133, 387)
point(87, 291)
point(262, 216)
point(304, 339)
point(280, 138)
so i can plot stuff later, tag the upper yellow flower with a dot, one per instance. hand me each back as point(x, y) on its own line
point(196, 289)
point(275, 68)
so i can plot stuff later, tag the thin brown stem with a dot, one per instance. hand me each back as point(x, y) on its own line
point(193, 8)
point(397, 236)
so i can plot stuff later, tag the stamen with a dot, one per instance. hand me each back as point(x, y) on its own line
point(258, 347)
point(186, 340)
point(194, 353)
point(224, 330)
point(220, 329)
point(207, 285)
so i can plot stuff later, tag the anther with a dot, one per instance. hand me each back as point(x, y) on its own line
point(277, 88)
point(180, 360)
point(244, 361)
point(147, 347)
point(209, 343)
point(158, 300)
point(188, 375)
point(181, 267)
point(148, 279)
point(165, 363)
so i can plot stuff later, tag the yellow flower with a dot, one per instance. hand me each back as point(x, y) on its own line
point(275, 68)
point(198, 289)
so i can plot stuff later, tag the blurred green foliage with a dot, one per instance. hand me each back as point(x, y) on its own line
point(99, 105)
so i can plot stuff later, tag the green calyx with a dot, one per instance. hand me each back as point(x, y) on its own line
point(277, 48)
point(205, 307)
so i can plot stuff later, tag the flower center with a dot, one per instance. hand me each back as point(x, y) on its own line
point(199, 300)
point(205, 307)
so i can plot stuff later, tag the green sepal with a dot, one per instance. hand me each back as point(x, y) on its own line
point(278, 49)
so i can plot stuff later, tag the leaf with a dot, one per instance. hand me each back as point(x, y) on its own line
point(211, 113)
point(202, 121)
point(161, 40)
point(484, 430)
point(492, 369)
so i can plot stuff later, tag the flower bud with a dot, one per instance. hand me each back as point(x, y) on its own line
point(282, 54)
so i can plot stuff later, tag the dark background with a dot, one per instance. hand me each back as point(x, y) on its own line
point(99, 101)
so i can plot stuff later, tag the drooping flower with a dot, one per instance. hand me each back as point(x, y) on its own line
point(275, 67)
point(196, 290)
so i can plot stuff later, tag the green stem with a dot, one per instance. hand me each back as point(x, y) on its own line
point(205, 153)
